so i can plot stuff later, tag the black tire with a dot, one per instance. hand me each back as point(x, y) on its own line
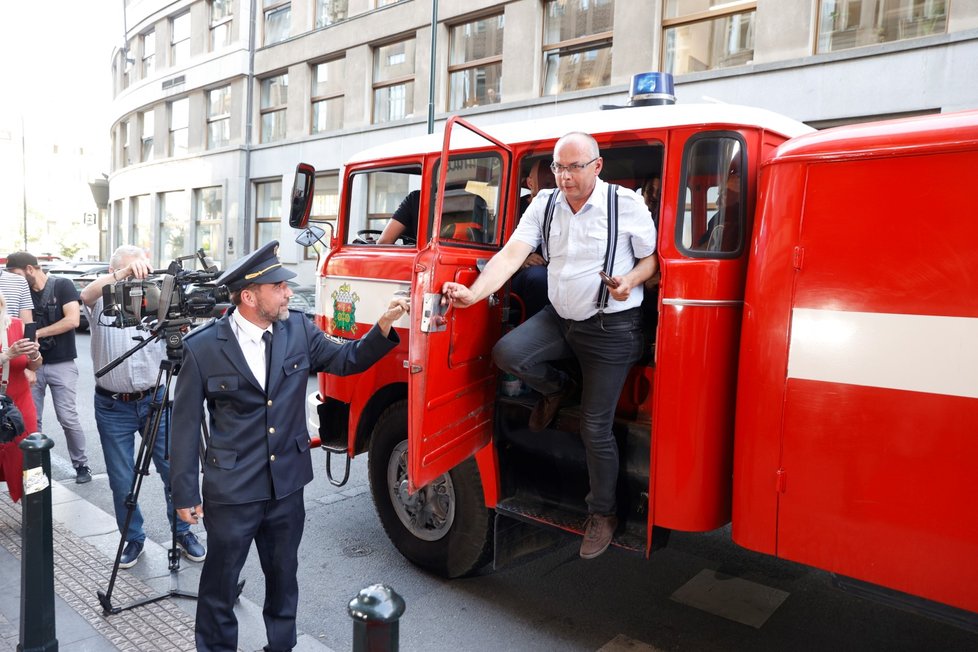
point(453, 536)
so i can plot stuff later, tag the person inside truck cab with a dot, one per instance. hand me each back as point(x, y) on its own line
point(599, 325)
point(403, 223)
point(530, 281)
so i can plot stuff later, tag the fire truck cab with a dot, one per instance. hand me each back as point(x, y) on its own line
point(772, 244)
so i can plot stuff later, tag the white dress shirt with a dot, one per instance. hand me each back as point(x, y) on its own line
point(252, 345)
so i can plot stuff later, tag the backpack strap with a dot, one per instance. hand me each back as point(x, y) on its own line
point(612, 245)
point(548, 217)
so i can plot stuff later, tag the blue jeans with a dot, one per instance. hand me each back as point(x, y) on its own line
point(606, 346)
point(118, 422)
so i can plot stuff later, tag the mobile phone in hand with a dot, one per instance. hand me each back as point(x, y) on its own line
point(30, 330)
point(607, 280)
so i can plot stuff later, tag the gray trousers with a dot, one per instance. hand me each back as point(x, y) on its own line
point(62, 378)
point(606, 346)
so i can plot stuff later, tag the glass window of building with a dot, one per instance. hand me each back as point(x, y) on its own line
point(148, 122)
point(325, 205)
point(268, 212)
point(218, 117)
point(577, 44)
point(127, 65)
point(141, 221)
point(149, 52)
point(124, 131)
point(278, 19)
point(327, 95)
point(394, 81)
point(179, 126)
point(209, 232)
point(707, 34)
point(174, 226)
point(120, 234)
point(180, 39)
point(475, 63)
point(844, 24)
point(384, 3)
point(274, 99)
point(220, 24)
point(330, 11)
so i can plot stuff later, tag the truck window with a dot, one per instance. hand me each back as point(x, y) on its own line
point(379, 196)
point(711, 224)
point(470, 213)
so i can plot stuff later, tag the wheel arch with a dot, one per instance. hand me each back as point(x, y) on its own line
point(381, 400)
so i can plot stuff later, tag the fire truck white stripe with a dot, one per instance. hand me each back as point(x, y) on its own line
point(373, 297)
point(919, 353)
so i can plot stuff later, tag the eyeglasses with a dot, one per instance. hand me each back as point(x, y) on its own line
point(573, 168)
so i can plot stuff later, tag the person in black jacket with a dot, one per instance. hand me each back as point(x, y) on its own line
point(257, 457)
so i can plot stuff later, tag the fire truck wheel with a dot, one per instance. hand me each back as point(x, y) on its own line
point(445, 527)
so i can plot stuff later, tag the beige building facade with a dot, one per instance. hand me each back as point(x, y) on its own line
point(216, 101)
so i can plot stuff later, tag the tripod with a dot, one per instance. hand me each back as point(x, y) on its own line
point(171, 332)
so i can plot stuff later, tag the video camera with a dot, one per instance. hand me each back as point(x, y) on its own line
point(171, 294)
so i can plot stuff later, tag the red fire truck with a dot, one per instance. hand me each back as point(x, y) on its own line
point(811, 367)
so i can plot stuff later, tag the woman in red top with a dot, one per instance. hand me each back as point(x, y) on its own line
point(16, 355)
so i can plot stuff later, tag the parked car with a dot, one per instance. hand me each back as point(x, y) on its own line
point(304, 299)
point(79, 282)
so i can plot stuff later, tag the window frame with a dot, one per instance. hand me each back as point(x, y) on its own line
point(474, 64)
point(379, 84)
point(332, 94)
point(603, 40)
point(725, 10)
point(216, 222)
point(177, 47)
point(173, 131)
point(273, 108)
point(269, 9)
point(148, 63)
point(321, 5)
point(219, 24)
point(212, 118)
point(146, 139)
point(266, 219)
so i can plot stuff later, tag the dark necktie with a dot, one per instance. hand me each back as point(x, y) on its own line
point(267, 339)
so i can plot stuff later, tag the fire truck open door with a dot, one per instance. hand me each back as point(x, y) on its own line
point(452, 381)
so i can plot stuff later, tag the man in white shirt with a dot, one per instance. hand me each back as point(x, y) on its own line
point(602, 329)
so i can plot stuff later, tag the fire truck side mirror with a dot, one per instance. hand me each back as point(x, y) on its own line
point(302, 195)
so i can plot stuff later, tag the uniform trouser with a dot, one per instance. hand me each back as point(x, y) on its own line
point(606, 346)
point(62, 378)
point(276, 528)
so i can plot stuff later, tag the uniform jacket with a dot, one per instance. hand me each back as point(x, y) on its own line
point(259, 445)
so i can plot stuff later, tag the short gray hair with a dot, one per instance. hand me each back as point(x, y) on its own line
point(124, 252)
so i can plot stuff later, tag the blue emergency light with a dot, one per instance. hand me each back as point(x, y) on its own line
point(650, 88)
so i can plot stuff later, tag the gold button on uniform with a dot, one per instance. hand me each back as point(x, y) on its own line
point(271, 431)
point(272, 458)
point(269, 403)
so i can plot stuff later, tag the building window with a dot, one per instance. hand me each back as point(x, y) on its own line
point(384, 3)
point(218, 117)
point(325, 205)
point(124, 129)
point(577, 44)
point(127, 65)
point(327, 95)
point(146, 118)
point(330, 11)
point(180, 39)
point(119, 231)
point(394, 81)
point(698, 40)
point(476, 63)
point(209, 236)
point(220, 24)
point(844, 24)
point(141, 220)
point(179, 124)
point(274, 99)
point(149, 52)
point(268, 212)
point(278, 18)
point(174, 226)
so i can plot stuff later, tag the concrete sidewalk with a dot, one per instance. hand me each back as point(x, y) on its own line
point(85, 545)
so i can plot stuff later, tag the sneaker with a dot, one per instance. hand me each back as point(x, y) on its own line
point(130, 554)
point(598, 534)
point(192, 548)
point(83, 474)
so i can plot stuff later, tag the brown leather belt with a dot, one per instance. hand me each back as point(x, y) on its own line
point(125, 397)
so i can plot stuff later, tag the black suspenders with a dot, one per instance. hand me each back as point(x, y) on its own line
point(610, 249)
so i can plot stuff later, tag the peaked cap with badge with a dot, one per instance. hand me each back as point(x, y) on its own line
point(262, 266)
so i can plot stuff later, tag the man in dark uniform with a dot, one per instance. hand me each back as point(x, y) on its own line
point(257, 459)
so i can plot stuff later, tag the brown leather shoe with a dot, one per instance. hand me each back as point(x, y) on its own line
point(597, 535)
point(545, 411)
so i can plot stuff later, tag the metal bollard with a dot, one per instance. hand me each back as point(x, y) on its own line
point(37, 560)
point(375, 612)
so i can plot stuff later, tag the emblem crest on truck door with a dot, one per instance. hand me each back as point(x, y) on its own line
point(345, 309)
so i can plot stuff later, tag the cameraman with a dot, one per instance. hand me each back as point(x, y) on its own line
point(57, 314)
point(123, 398)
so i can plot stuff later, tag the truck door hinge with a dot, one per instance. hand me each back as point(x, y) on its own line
point(782, 480)
point(798, 258)
point(412, 368)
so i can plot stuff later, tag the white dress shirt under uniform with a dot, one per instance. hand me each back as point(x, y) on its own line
point(577, 248)
point(251, 343)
